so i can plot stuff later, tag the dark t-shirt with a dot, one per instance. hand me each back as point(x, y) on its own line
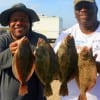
point(9, 85)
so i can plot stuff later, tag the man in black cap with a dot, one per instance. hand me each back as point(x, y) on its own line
point(19, 18)
point(86, 33)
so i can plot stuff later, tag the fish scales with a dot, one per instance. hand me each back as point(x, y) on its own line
point(23, 64)
point(46, 65)
point(87, 72)
point(67, 57)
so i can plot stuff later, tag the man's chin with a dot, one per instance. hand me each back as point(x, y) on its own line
point(19, 36)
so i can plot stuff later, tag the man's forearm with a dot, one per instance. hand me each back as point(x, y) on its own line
point(5, 59)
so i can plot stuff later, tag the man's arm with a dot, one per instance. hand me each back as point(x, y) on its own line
point(5, 59)
point(5, 54)
point(98, 67)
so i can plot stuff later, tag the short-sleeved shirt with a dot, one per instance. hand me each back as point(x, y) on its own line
point(93, 41)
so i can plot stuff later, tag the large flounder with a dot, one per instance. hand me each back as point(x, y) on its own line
point(46, 65)
point(23, 64)
point(87, 72)
point(67, 57)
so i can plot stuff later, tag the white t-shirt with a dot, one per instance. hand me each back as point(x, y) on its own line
point(81, 39)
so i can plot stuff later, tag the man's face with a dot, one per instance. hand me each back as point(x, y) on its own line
point(86, 13)
point(19, 24)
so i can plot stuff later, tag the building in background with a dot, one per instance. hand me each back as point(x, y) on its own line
point(50, 26)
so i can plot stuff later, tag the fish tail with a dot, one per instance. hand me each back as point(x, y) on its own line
point(63, 90)
point(23, 90)
point(48, 90)
point(82, 97)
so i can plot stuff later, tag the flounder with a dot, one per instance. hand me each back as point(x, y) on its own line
point(23, 64)
point(46, 65)
point(87, 72)
point(67, 57)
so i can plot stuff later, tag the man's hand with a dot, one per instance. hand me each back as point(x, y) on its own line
point(97, 64)
point(13, 47)
point(98, 67)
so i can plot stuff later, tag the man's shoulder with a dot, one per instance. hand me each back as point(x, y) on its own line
point(5, 35)
point(71, 30)
point(75, 26)
point(5, 38)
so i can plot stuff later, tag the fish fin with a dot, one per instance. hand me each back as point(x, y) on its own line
point(23, 90)
point(63, 90)
point(48, 90)
point(82, 97)
point(91, 85)
point(15, 68)
point(31, 72)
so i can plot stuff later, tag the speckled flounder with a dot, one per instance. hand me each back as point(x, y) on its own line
point(46, 65)
point(67, 57)
point(23, 64)
point(87, 72)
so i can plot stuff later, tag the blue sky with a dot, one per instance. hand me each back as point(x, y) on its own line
point(61, 8)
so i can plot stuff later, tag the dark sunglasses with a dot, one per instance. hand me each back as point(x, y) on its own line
point(85, 5)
